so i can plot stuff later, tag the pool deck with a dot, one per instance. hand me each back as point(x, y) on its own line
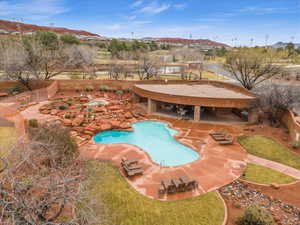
point(218, 166)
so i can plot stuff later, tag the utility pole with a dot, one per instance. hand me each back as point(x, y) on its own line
point(267, 41)
point(251, 42)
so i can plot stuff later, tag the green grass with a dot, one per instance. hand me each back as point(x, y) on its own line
point(8, 137)
point(123, 205)
point(266, 147)
point(263, 175)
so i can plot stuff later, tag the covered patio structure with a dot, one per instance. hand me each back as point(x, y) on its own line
point(199, 101)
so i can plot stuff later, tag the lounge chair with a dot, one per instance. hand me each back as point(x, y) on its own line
point(134, 172)
point(219, 138)
point(132, 167)
point(126, 162)
point(228, 141)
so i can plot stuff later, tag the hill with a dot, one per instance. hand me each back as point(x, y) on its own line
point(9, 27)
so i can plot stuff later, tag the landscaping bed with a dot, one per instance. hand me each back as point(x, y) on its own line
point(239, 196)
point(267, 148)
point(123, 205)
point(87, 120)
point(262, 175)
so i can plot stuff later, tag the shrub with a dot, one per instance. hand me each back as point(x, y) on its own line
point(33, 123)
point(89, 88)
point(119, 92)
point(16, 89)
point(295, 145)
point(126, 90)
point(67, 116)
point(255, 215)
point(62, 107)
point(114, 89)
point(237, 206)
point(77, 89)
point(61, 149)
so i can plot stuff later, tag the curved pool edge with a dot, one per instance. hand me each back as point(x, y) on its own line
point(175, 136)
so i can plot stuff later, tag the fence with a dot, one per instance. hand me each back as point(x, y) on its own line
point(36, 95)
point(9, 106)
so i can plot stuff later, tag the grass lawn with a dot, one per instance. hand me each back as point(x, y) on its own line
point(263, 175)
point(8, 137)
point(123, 205)
point(268, 148)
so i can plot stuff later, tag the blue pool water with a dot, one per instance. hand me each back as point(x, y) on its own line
point(156, 139)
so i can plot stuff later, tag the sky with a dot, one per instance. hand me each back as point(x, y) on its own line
point(234, 22)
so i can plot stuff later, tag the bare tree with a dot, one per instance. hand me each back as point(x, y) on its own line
point(41, 179)
point(13, 61)
point(148, 67)
point(116, 70)
point(250, 68)
point(274, 100)
point(29, 59)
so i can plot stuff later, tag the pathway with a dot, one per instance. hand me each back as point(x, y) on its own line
point(274, 165)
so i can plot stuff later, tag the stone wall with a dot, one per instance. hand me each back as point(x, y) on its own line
point(13, 116)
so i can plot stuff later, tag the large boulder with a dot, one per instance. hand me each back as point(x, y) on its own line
point(67, 122)
point(115, 124)
point(128, 115)
point(125, 125)
point(106, 126)
point(100, 110)
point(54, 112)
point(115, 107)
point(78, 121)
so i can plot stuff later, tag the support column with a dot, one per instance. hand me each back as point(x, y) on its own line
point(136, 98)
point(152, 106)
point(197, 112)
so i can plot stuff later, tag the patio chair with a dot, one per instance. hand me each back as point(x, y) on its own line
point(167, 186)
point(188, 183)
point(193, 184)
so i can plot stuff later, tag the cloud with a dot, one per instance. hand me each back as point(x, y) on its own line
point(142, 22)
point(180, 6)
point(155, 8)
point(137, 3)
point(32, 9)
point(255, 9)
point(133, 17)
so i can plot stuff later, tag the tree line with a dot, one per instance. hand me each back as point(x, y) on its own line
point(42, 55)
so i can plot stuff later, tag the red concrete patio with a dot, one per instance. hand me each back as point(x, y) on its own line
point(218, 166)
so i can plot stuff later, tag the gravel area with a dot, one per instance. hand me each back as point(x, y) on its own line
point(244, 196)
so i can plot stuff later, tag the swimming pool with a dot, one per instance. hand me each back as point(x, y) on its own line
point(155, 138)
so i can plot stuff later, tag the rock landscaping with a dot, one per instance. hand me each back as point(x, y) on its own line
point(87, 120)
point(243, 196)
